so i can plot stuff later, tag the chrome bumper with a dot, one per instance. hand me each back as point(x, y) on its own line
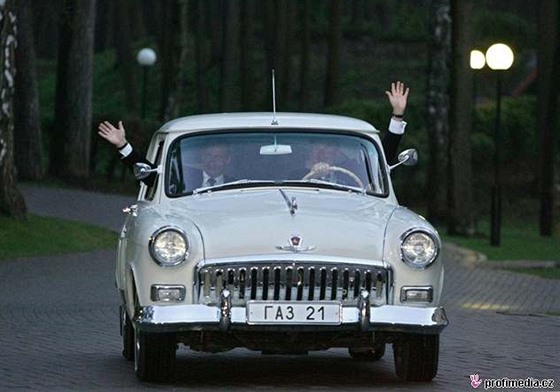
point(391, 318)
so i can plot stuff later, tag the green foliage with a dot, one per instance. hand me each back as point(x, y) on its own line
point(491, 26)
point(40, 236)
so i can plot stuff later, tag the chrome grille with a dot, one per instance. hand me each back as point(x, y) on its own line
point(292, 282)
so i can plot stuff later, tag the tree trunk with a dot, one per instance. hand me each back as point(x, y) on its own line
point(438, 107)
point(247, 71)
point(28, 146)
point(174, 55)
point(125, 59)
point(12, 203)
point(230, 57)
point(201, 58)
point(332, 89)
point(460, 198)
point(70, 145)
point(304, 81)
point(547, 106)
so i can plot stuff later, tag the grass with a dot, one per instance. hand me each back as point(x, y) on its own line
point(519, 241)
point(41, 236)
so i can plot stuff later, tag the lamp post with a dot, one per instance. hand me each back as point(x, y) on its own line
point(146, 58)
point(499, 57)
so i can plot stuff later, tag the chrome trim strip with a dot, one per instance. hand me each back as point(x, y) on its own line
point(198, 317)
point(291, 257)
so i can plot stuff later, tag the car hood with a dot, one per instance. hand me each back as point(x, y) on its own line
point(258, 222)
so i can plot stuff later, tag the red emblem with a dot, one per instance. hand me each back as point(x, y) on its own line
point(295, 240)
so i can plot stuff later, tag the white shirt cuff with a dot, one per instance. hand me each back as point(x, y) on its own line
point(397, 127)
point(126, 150)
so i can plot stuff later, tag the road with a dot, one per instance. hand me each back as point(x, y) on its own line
point(59, 328)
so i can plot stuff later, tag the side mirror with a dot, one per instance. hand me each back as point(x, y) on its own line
point(143, 170)
point(407, 157)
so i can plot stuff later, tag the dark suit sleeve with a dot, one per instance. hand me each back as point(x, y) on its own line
point(131, 159)
point(391, 143)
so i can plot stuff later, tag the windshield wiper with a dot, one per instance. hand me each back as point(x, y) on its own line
point(326, 184)
point(232, 185)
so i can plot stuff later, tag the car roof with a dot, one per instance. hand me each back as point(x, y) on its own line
point(263, 120)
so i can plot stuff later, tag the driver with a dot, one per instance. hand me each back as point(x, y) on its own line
point(328, 162)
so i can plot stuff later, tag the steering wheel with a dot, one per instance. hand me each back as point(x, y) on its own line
point(321, 169)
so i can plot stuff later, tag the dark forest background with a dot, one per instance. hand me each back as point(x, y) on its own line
point(75, 65)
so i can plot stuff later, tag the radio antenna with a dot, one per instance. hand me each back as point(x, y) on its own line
point(274, 122)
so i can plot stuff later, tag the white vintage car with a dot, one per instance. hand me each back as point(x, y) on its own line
point(299, 245)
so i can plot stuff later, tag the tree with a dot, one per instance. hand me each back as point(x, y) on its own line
point(28, 147)
point(332, 90)
point(174, 55)
point(247, 76)
point(460, 196)
point(547, 101)
point(230, 57)
point(201, 57)
point(439, 68)
point(125, 59)
point(70, 144)
point(304, 85)
point(12, 203)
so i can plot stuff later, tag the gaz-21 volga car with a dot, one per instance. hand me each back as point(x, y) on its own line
point(280, 233)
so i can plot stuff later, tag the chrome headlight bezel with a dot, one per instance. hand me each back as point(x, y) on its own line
point(432, 240)
point(181, 255)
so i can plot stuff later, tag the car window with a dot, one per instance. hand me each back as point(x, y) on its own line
point(296, 158)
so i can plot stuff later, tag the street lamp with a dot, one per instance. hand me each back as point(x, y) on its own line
point(477, 59)
point(146, 58)
point(477, 62)
point(499, 57)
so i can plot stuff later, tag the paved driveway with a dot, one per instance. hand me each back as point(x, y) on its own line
point(59, 329)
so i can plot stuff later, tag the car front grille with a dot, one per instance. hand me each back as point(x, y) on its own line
point(292, 282)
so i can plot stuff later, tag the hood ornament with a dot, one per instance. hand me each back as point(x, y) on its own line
point(295, 244)
point(292, 204)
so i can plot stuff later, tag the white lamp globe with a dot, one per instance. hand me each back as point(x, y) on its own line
point(499, 57)
point(477, 59)
point(146, 57)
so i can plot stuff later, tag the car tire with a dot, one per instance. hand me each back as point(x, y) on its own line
point(416, 357)
point(127, 333)
point(367, 354)
point(154, 356)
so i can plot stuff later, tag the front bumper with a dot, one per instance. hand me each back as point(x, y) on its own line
point(389, 318)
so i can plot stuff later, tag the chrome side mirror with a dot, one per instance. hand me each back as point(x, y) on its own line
point(407, 157)
point(143, 170)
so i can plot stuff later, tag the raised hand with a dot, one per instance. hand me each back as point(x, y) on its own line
point(397, 97)
point(115, 136)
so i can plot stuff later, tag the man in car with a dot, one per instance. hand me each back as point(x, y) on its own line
point(397, 96)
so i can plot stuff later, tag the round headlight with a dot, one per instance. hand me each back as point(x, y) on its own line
point(419, 249)
point(169, 246)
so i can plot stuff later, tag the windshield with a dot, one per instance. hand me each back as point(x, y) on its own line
point(299, 158)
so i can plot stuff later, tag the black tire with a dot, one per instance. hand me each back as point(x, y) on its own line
point(154, 356)
point(416, 357)
point(127, 333)
point(367, 354)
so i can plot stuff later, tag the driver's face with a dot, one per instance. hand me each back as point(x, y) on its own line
point(214, 160)
point(323, 153)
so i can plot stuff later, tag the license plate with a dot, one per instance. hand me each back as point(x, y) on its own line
point(277, 312)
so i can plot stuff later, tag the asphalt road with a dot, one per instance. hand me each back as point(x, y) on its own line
point(59, 327)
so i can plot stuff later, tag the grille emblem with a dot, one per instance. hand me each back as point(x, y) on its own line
point(295, 244)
